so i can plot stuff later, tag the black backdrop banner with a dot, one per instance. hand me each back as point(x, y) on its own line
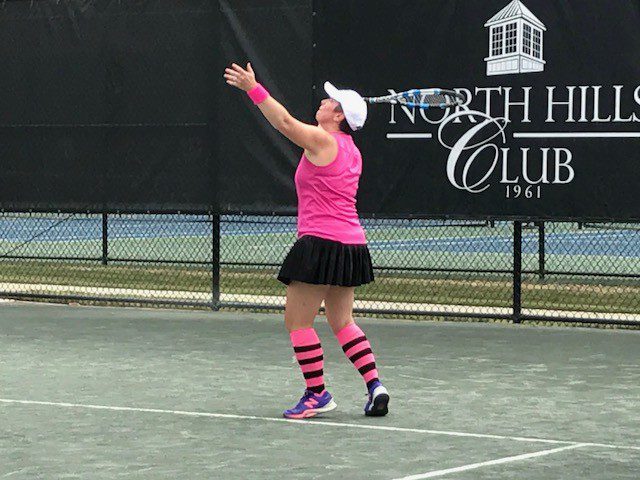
point(257, 162)
point(122, 105)
point(564, 73)
point(108, 104)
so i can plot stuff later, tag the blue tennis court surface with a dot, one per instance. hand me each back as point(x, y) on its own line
point(67, 228)
point(398, 236)
point(619, 244)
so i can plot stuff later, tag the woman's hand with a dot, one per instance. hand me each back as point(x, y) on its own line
point(240, 78)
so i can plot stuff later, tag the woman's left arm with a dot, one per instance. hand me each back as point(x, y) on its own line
point(310, 137)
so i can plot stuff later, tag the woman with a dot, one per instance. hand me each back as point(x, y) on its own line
point(330, 257)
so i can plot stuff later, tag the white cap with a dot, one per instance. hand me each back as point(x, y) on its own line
point(353, 105)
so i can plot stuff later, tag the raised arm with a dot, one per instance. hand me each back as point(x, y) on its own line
point(310, 137)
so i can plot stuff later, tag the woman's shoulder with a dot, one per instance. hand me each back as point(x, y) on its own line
point(341, 134)
point(344, 139)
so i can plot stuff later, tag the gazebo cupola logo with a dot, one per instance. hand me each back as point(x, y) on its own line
point(515, 41)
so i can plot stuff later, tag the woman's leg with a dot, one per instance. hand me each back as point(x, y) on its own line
point(303, 303)
point(338, 305)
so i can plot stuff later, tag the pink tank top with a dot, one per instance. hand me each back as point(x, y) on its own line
point(327, 195)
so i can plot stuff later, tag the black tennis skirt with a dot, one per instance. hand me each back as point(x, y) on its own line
point(326, 262)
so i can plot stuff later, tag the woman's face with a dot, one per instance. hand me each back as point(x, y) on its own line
point(327, 111)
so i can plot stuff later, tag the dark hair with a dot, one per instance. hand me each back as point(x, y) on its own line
point(344, 125)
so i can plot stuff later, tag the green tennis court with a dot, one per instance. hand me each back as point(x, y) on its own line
point(92, 392)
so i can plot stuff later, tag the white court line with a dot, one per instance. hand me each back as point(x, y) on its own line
point(499, 461)
point(7, 475)
point(314, 422)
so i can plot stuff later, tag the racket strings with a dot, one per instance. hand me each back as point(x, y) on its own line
point(427, 100)
point(434, 100)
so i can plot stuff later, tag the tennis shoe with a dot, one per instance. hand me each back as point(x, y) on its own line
point(378, 404)
point(311, 404)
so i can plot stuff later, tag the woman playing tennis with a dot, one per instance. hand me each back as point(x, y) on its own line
point(330, 257)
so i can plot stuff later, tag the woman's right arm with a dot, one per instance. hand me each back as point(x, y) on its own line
point(313, 139)
point(317, 143)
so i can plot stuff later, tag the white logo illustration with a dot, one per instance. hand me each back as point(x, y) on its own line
point(481, 156)
point(515, 41)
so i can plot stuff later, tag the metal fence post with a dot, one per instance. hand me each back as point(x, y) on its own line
point(215, 262)
point(517, 272)
point(105, 239)
point(541, 250)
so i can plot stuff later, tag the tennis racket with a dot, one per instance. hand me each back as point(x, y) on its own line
point(422, 98)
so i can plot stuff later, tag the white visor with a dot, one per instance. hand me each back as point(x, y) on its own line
point(353, 105)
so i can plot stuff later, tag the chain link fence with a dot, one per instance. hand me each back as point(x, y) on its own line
point(514, 271)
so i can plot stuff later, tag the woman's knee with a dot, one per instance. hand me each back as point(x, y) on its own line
point(340, 323)
point(339, 307)
point(295, 322)
point(303, 303)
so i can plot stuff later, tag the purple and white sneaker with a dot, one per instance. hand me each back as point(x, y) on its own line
point(378, 404)
point(311, 404)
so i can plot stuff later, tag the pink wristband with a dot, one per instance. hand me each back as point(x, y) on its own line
point(258, 94)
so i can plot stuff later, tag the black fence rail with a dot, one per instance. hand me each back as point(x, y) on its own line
point(515, 271)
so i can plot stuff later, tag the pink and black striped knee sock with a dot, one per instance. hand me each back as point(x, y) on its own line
point(358, 349)
point(308, 350)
